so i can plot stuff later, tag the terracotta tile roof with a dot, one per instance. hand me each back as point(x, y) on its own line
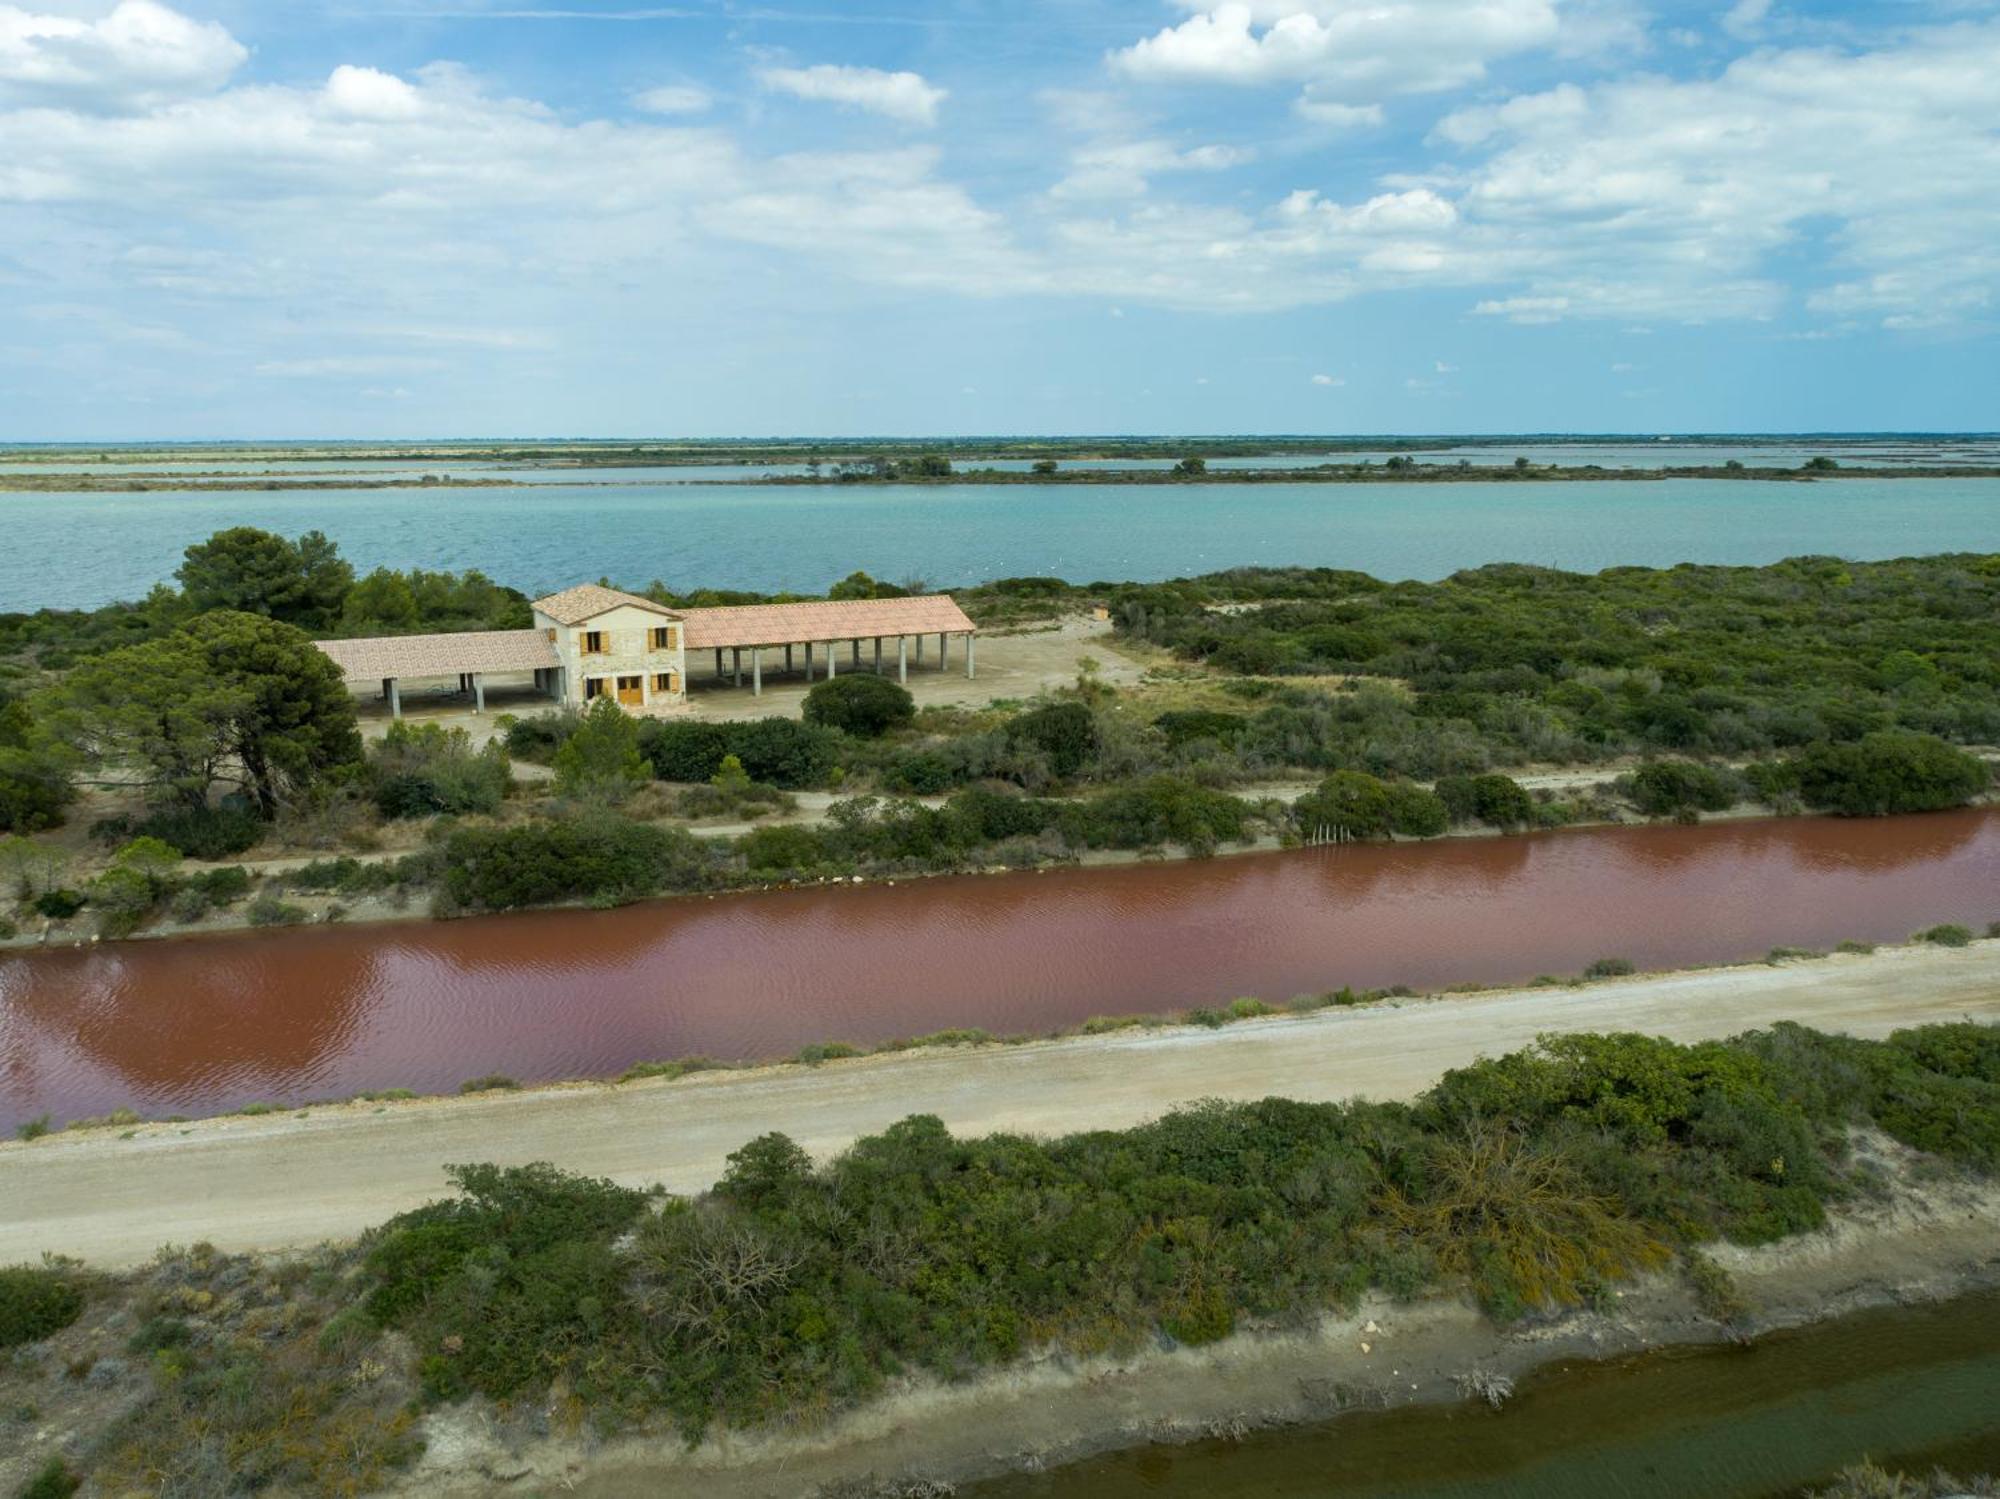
point(381, 656)
point(840, 619)
point(588, 600)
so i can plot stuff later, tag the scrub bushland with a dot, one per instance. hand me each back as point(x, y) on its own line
point(790, 1291)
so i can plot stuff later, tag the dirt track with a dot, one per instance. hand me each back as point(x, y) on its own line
point(276, 1181)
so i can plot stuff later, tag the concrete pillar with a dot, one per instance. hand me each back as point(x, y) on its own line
point(788, 661)
point(970, 641)
point(478, 691)
point(878, 655)
point(920, 653)
point(809, 660)
point(395, 699)
point(832, 656)
point(944, 650)
point(736, 662)
point(855, 647)
point(903, 658)
point(757, 670)
point(718, 663)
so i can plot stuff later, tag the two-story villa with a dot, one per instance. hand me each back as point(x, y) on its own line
point(590, 642)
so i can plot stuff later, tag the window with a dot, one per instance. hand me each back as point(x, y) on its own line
point(594, 688)
point(666, 681)
point(663, 638)
point(593, 643)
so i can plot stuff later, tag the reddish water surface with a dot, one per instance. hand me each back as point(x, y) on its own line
point(204, 1024)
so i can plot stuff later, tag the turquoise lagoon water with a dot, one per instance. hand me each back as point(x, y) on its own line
point(80, 550)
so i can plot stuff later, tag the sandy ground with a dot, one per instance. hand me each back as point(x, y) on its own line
point(283, 1180)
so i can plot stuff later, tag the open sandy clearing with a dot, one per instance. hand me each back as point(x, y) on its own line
point(275, 1181)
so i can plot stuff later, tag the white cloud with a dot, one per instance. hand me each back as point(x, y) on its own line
point(1123, 170)
point(1746, 17)
point(1347, 52)
point(140, 53)
point(1328, 380)
point(674, 99)
point(1337, 116)
point(900, 96)
point(1655, 197)
point(1446, 369)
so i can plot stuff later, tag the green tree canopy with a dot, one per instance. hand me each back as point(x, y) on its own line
point(249, 571)
point(231, 698)
point(601, 760)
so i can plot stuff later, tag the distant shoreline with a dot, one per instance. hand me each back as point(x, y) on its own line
point(1329, 473)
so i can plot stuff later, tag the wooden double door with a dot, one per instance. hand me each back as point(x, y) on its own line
point(631, 692)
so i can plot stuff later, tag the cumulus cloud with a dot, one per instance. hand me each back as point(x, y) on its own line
point(1656, 196)
point(900, 96)
point(1348, 53)
point(1327, 380)
point(377, 198)
point(140, 53)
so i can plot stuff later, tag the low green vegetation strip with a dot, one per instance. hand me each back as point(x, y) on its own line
point(793, 1291)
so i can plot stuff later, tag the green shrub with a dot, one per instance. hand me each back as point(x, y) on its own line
point(684, 750)
point(53, 1480)
point(921, 773)
point(538, 737)
point(1496, 800)
point(860, 704)
point(35, 790)
point(1884, 773)
point(1665, 787)
point(1346, 806)
point(59, 904)
point(1946, 934)
point(783, 751)
point(1609, 968)
point(600, 762)
point(422, 770)
point(210, 833)
point(788, 848)
point(563, 859)
point(1415, 812)
point(493, 1082)
point(1196, 726)
point(1064, 732)
point(36, 1303)
point(222, 886)
point(35, 1128)
point(268, 910)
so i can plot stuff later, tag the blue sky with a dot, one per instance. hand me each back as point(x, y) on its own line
point(406, 218)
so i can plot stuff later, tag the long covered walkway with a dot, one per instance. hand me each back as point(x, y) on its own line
point(746, 640)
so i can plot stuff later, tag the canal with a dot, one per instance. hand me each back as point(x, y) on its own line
point(204, 1024)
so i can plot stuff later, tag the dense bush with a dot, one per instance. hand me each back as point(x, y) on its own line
point(1526, 663)
point(860, 704)
point(537, 737)
point(421, 770)
point(1065, 732)
point(1496, 800)
point(1196, 726)
point(36, 1303)
point(1350, 805)
point(593, 857)
point(775, 751)
point(1663, 788)
point(1538, 1179)
point(35, 790)
point(600, 762)
point(1889, 772)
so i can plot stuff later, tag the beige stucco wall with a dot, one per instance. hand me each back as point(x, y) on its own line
point(627, 634)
